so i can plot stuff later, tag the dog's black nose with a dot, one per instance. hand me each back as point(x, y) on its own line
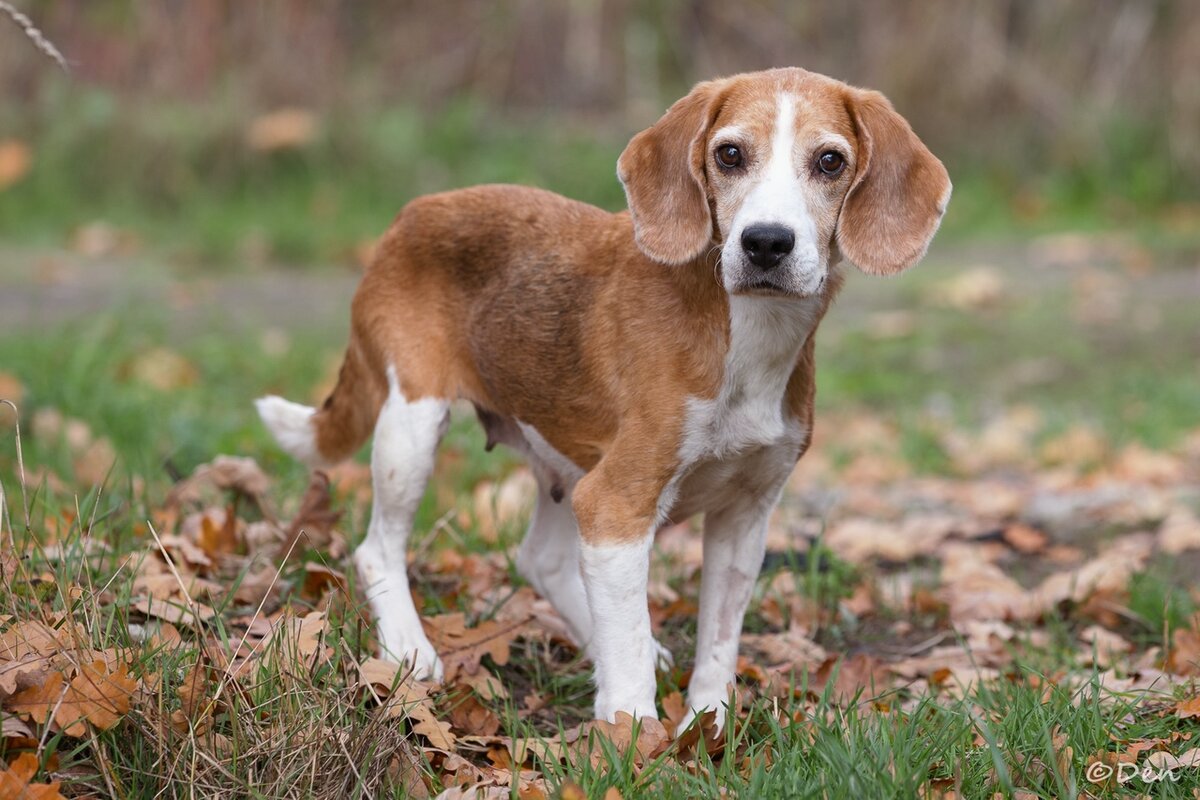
point(766, 245)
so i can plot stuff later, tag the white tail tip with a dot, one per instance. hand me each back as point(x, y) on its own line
point(292, 426)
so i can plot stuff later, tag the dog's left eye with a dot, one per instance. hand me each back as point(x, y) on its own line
point(729, 156)
point(831, 162)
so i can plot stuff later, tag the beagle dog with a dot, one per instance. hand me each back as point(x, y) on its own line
point(651, 364)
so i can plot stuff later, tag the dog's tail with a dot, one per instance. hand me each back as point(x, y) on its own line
point(323, 437)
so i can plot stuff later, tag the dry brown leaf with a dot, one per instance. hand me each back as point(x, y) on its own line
point(1104, 647)
point(94, 696)
point(1138, 464)
point(1025, 539)
point(319, 579)
point(194, 694)
point(315, 519)
point(162, 369)
point(468, 715)
point(1078, 446)
point(282, 129)
point(461, 648)
point(860, 675)
point(191, 616)
point(675, 708)
point(29, 670)
point(98, 696)
point(571, 791)
point(301, 640)
point(436, 731)
point(1184, 655)
point(1108, 572)
point(226, 473)
point(652, 738)
point(485, 684)
point(408, 699)
point(38, 701)
point(16, 158)
point(1179, 531)
point(973, 289)
point(16, 781)
point(860, 539)
point(219, 539)
point(973, 588)
point(13, 727)
point(1188, 708)
point(791, 647)
point(1163, 760)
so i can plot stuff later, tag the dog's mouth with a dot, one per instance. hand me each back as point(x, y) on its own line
point(767, 288)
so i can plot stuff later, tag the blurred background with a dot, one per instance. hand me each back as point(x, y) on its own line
point(288, 131)
point(183, 214)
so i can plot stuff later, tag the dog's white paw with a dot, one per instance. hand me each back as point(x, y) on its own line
point(417, 654)
point(643, 707)
point(697, 707)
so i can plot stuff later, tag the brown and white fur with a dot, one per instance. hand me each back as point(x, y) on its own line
point(651, 364)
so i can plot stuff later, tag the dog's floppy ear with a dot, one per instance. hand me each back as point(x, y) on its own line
point(662, 170)
point(899, 193)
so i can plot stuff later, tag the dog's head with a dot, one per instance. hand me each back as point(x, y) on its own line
point(783, 170)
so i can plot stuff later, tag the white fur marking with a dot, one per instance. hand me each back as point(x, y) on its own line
point(622, 646)
point(766, 335)
point(730, 133)
point(779, 199)
point(291, 425)
point(406, 440)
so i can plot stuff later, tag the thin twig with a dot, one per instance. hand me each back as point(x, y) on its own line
point(35, 35)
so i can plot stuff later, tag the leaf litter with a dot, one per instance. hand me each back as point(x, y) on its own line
point(948, 581)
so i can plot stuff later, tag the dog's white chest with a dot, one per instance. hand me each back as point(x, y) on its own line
point(731, 439)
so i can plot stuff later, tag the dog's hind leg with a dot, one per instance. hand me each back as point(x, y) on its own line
point(406, 439)
point(549, 559)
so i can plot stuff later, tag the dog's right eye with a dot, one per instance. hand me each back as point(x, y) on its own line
point(729, 156)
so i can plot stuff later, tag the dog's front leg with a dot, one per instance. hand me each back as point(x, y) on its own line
point(617, 519)
point(734, 541)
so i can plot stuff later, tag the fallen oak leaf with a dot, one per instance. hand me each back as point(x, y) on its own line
point(468, 715)
point(1164, 760)
point(38, 701)
point(32, 637)
point(652, 738)
point(192, 616)
point(436, 731)
point(16, 781)
point(319, 578)
point(1025, 539)
point(219, 540)
point(233, 473)
point(1188, 708)
point(408, 699)
point(462, 648)
point(300, 638)
point(29, 670)
point(13, 727)
point(94, 696)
